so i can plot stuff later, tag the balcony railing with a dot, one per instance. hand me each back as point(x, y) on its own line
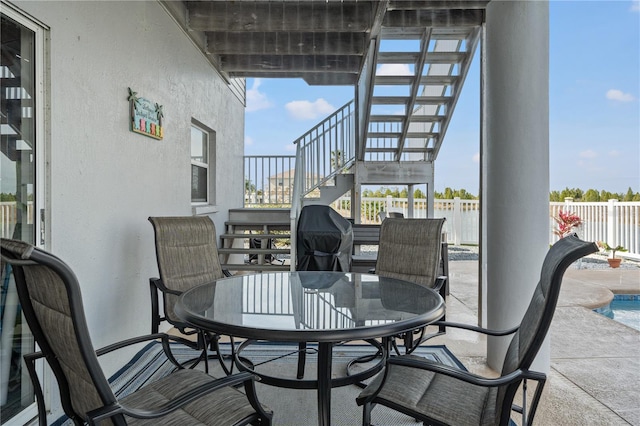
point(268, 180)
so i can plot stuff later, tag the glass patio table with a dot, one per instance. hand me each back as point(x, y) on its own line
point(326, 308)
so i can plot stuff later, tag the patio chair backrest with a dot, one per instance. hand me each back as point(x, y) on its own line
point(50, 297)
point(526, 342)
point(410, 249)
point(187, 255)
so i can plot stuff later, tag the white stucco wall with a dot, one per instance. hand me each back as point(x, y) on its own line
point(105, 180)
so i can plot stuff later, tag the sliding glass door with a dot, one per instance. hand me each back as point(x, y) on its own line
point(20, 110)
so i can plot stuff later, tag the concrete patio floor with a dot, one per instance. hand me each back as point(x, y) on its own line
point(595, 361)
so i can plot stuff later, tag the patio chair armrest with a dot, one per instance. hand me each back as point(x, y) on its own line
point(157, 283)
point(128, 342)
point(103, 413)
point(476, 328)
point(164, 338)
point(466, 376)
point(440, 283)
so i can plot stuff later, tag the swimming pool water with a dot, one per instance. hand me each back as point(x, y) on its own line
point(624, 308)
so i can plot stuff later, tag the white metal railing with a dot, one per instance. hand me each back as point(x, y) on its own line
point(326, 150)
point(268, 179)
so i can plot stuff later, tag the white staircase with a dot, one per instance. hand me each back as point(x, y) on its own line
point(417, 80)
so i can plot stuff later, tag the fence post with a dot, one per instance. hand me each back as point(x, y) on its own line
point(612, 219)
point(457, 221)
point(389, 204)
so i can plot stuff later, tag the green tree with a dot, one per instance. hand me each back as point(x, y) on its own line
point(337, 159)
point(554, 196)
point(249, 187)
point(606, 195)
point(629, 195)
point(574, 193)
point(591, 196)
point(448, 193)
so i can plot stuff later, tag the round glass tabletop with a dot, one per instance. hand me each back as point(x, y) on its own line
point(310, 306)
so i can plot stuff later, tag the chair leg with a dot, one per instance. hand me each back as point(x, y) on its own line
point(302, 359)
point(203, 343)
point(366, 414)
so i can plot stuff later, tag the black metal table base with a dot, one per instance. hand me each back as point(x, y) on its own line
point(324, 381)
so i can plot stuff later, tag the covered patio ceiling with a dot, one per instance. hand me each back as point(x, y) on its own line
point(324, 42)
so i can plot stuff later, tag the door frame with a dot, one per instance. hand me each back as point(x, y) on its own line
point(42, 157)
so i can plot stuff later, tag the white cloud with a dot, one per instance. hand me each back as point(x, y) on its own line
point(248, 140)
point(614, 153)
point(306, 110)
point(394, 69)
point(588, 154)
point(256, 100)
point(476, 158)
point(619, 95)
point(290, 147)
point(635, 6)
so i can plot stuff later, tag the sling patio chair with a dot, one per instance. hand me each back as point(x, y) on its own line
point(51, 301)
point(411, 250)
point(187, 256)
point(440, 395)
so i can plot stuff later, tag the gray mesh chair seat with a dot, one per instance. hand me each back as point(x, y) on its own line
point(441, 395)
point(227, 406)
point(51, 301)
point(439, 398)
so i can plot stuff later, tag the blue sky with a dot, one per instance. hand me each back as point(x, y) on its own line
point(594, 105)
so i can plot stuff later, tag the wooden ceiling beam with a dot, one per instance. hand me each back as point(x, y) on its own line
point(288, 63)
point(286, 43)
point(437, 4)
point(433, 18)
point(305, 16)
point(312, 78)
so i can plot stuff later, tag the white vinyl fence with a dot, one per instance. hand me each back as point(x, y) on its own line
point(617, 223)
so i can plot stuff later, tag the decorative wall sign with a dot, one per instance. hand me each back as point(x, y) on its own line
point(146, 117)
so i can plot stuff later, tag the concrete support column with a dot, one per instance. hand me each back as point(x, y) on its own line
point(516, 157)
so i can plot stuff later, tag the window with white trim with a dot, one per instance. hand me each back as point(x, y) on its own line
point(202, 164)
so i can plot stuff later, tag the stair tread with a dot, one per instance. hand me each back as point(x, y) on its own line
point(406, 80)
point(240, 250)
point(259, 236)
point(412, 57)
point(396, 118)
point(254, 225)
point(254, 267)
point(401, 100)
